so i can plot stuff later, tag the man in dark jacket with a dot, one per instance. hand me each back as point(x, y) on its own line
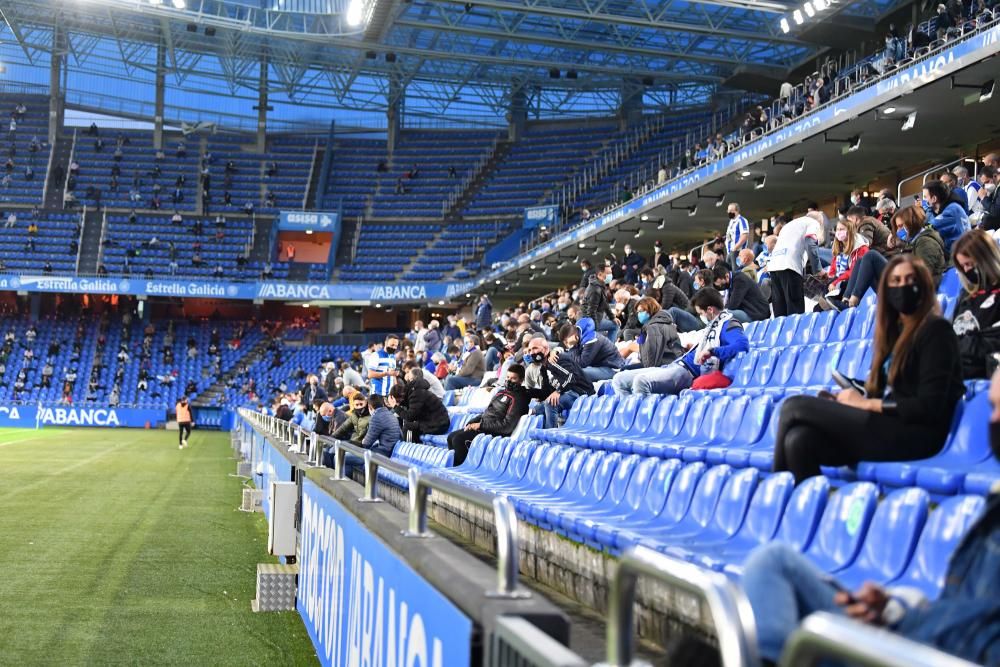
point(632, 263)
point(596, 355)
point(500, 417)
point(381, 437)
point(422, 411)
point(324, 420)
point(744, 300)
point(484, 313)
point(684, 281)
point(588, 273)
point(563, 380)
point(595, 303)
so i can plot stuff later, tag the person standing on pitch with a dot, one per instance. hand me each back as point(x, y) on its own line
point(184, 422)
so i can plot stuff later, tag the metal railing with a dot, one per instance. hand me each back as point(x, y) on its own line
point(309, 178)
point(824, 635)
point(516, 642)
point(69, 172)
point(934, 170)
point(460, 189)
point(727, 604)
point(79, 239)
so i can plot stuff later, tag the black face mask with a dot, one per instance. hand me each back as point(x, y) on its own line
point(995, 438)
point(904, 298)
point(390, 350)
point(972, 275)
point(512, 385)
point(538, 357)
point(732, 215)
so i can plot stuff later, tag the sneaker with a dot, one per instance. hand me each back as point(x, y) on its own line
point(180, 446)
point(184, 442)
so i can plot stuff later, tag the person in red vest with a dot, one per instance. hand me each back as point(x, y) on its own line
point(290, 252)
point(184, 421)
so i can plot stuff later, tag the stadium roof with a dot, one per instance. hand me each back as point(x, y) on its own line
point(441, 54)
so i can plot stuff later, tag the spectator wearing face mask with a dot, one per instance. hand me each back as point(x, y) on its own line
point(943, 214)
point(737, 232)
point(561, 380)
point(909, 396)
point(380, 437)
point(433, 382)
point(874, 230)
point(783, 587)
point(587, 272)
point(470, 368)
point(955, 193)
point(596, 355)
point(595, 303)
point(848, 248)
point(421, 411)
point(657, 343)
point(743, 297)
point(312, 390)
point(659, 257)
point(355, 426)
point(506, 407)
point(722, 340)
point(632, 263)
point(381, 366)
point(484, 313)
point(325, 420)
point(977, 315)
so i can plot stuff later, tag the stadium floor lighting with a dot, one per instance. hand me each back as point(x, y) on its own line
point(759, 183)
point(663, 223)
point(888, 111)
point(799, 164)
point(853, 143)
point(985, 89)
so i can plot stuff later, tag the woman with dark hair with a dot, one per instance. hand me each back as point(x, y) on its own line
point(977, 260)
point(909, 397)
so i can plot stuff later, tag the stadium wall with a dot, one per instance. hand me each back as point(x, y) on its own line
point(38, 416)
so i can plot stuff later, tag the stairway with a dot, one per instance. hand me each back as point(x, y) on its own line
point(313, 188)
point(261, 250)
point(211, 397)
point(299, 272)
point(60, 158)
point(348, 230)
point(90, 244)
point(478, 180)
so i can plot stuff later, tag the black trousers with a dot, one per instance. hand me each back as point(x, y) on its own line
point(814, 432)
point(459, 442)
point(183, 431)
point(786, 293)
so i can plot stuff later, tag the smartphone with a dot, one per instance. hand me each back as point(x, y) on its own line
point(847, 383)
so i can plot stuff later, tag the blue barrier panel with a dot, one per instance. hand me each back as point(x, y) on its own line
point(362, 604)
point(34, 416)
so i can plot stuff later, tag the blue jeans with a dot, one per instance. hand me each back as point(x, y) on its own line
point(492, 358)
point(566, 400)
point(784, 587)
point(351, 461)
point(865, 275)
point(825, 256)
point(684, 320)
point(672, 379)
point(742, 316)
point(458, 382)
point(609, 328)
point(598, 373)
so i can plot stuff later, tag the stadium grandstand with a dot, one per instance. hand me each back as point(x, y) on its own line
point(537, 334)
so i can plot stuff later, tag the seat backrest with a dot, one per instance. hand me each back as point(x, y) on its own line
point(784, 366)
point(768, 506)
point(678, 416)
point(841, 325)
point(844, 525)
point(741, 372)
point(625, 414)
point(660, 422)
point(823, 369)
point(755, 420)
point(706, 497)
point(786, 336)
point(621, 479)
point(803, 331)
point(659, 486)
point(578, 459)
point(945, 528)
point(579, 411)
point(681, 492)
point(970, 437)
point(822, 326)
point(498, 464)
point(770, 338)
point(641, 476)
point(764, 368)
point(600, 414)
point(704, 417)
point(731, 509)
point(728, 429)
point(554, 476)
point(644, 415)
point(525, 455)
point(850, 363)
point(803, 512)
point(603, 476)
point(585, 478)
point(893, 534)
point(804, 365)
point(863, 318)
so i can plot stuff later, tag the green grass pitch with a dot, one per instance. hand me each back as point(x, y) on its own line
point(119, 549)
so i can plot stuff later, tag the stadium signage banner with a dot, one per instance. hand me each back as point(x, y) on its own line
point(540, 216)
point(964, 53)
point(314, 221)
point(362, 604)
point(28, 416)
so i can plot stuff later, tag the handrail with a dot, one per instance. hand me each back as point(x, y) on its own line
point(730, 610)
point(924, 174)
point(504, 518)
point(312, 170)
point(100, 242)
point(69, 172)
point(516, 640)
point(79, 240)
point(372, 461)
point(48, 166)
point(826, 635)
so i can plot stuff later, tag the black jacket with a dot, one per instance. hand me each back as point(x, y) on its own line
point(672, 295)
point(745, 295)
point(685, 283)
point(633, 265)
point(595, 301)
point(308, 395)
point(977, 337)
point(424, 408)
point(585, 278)
point(562, 376)
point(507, 406)
point(322, 427)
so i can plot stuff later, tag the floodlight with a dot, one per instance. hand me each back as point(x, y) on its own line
point(785, 28)
point(911, 120)
point(797, 17)
point(758, 183)
point(808, 7)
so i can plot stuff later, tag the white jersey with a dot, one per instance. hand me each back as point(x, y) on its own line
point(790, 251)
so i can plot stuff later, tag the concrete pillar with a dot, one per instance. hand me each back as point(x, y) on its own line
point(57, 102)
point(159, 84)
point(394, 112)
point(262, 107)
point(333, 323)
point(517, 117)
point(630, 111)
point(35, 306)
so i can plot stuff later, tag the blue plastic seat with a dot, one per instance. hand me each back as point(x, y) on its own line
point(822, 375)
point(822, 327)
point(622, 501)
point(850, 363)
point(841, 326)
point(982, 480)
point(579, 475)
point(698, 515)
point(601, 412)
point(588, 496)
point(724, 430)
point(621, 422)
point(684, 425)
point(786, 335)
point(842, 529)
point(684, 484)
point(728, 515)
point(756, 415)
point(966, 448)
point(653, 501)
point(640, 427)
point(891, 539)
point(666, 413)
point(578, 414)
point(945, 528)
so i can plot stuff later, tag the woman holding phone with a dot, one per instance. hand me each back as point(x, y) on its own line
point(910, 394)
